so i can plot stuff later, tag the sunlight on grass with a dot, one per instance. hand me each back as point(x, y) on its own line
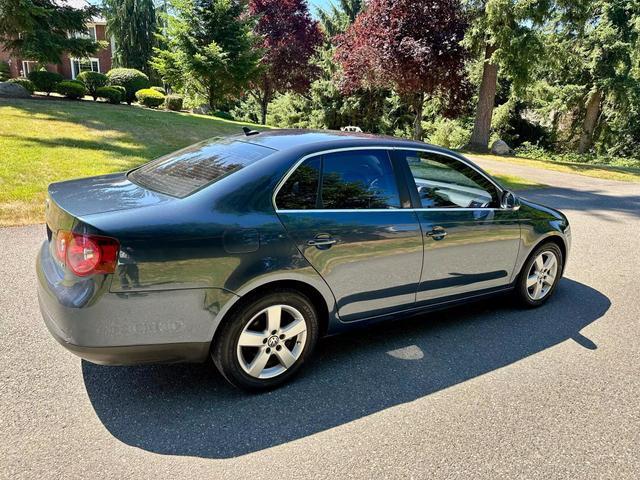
point(44, 141)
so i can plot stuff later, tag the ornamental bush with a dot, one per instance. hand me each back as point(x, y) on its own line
point(131, 79)
point(93, 81)
point(110, 94)
point(173, 102)
point(73, 89)
point(45, 81)
point(150, 98)
point(25, 82)
point(159, 90)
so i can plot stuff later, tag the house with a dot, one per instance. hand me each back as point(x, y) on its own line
point(69, 67)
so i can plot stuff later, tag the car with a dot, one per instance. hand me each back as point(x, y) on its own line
point(249, 248)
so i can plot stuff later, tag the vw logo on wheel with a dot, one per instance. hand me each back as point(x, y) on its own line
point(273, 341)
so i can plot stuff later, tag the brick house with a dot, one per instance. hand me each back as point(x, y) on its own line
point(69, 67)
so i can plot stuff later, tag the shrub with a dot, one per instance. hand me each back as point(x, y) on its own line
point(122, 90)
point(93, 81)
point(224, 115)
point(448, 133)
point(132, 80)
point(159, 90)
point(173, 102)
point(110, 94)
point(45, 81)
point(72, 89)
point(5, 72)
point(150, 98)
point(25, 82)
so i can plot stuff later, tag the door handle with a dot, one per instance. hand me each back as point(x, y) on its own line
point(322, 242)
point(437, 233)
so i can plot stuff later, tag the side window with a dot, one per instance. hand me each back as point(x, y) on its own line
point(358, 180)
point(445, 182)
point(300, 191)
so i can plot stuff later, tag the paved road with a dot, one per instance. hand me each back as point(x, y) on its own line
point(485, 391)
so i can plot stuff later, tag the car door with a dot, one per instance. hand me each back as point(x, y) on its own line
point(352, 220)
point(471, 243)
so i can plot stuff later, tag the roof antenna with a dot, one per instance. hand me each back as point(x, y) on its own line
point(248, 132)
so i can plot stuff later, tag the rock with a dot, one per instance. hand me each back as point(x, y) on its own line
point(13, 90)
point(202, 109)
point(500, 147)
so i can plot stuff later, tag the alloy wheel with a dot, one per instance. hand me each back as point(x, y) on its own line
point(272, 341)
point(542, 275)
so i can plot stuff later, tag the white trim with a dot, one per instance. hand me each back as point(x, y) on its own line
point(90, 59)
point(374, 147)
point(25, 65)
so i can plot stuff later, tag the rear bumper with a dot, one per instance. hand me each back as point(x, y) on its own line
point(126, 328)
point(131, 354)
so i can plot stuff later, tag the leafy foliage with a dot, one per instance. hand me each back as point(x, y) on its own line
point(289, 38)
point(209, 49)
point(45, 81)
point(93, 81)
point(25, 82)
point(42, 30)
point(110, 94)
point(132, 80)
point(150, 98)
point(337, 18)
point(132, 23)
point(71, 89)
point(411, 47)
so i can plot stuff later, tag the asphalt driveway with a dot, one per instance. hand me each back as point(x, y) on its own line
point(487, 390)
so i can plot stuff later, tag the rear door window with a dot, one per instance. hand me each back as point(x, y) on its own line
point(181, 173)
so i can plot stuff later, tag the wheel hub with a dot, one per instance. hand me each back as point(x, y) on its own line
point(272, 341)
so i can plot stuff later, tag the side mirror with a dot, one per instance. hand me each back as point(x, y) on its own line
point(509, 201)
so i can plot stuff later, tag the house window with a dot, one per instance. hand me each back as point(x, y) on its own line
point(90, 33)
point(28, 66)
point(79, 65)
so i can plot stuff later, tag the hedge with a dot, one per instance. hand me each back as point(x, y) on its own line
point(45, 81)
point(73, 89)
point(173, 102)
point(93, 81)
point(150, 98)
point(131, 79)
point(112, 95)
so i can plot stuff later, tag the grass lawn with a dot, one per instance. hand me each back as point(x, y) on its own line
point(624, 174)
point(47, 140)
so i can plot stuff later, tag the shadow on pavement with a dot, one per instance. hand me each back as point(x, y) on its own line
point(190, 410)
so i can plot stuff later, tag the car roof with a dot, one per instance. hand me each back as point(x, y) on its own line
point(286, 139)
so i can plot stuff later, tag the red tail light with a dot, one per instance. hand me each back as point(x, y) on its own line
point(86, 254)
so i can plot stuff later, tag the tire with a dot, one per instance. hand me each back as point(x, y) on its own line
point(536, 294)
point(240, 364)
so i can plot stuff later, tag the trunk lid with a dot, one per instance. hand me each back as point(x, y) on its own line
point(105, 193)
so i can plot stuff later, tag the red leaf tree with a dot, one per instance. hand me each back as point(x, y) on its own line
point(290, 37)
point(412, 47)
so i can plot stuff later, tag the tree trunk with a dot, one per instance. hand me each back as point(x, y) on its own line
point(264, 106)
point(590, 121)
point(486, 100)
point(418, 107)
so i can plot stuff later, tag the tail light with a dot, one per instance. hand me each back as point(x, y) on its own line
point(86, 254)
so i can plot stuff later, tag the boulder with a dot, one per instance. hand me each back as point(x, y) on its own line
point(500, 147)
point(204, 109)
point(13, 90)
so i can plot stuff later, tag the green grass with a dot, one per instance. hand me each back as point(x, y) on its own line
point(608, 172)
point(516, 183)
point(46, 140)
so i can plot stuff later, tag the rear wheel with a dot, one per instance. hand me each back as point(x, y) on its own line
point(540, 275)
point(267, 340)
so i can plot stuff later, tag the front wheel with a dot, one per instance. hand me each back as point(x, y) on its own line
point(540, 275)
point(267, 340)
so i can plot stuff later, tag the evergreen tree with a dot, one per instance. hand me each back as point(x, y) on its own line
point(132, 24)
point(42, 30)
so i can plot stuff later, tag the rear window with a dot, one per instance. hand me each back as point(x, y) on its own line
point(181, 173)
